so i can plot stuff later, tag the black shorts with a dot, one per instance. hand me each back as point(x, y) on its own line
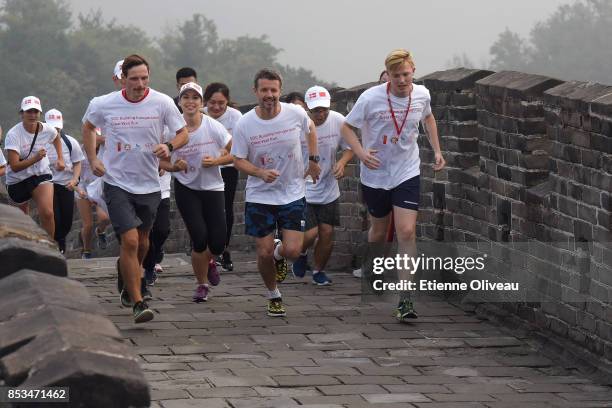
point(261, 219)
point(323, 214)
point(21, 192)
point(127, 211)
point(380, 202)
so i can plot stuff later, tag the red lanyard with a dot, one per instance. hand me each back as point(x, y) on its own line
point(398, 129)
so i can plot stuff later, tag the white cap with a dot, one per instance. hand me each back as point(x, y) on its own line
point(54, 118)
point(117, 70)
point(31, 102)
point(193, 86)
point(316, 97)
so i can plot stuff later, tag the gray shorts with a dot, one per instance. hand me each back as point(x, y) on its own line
point(127, 211)
point(323, 214)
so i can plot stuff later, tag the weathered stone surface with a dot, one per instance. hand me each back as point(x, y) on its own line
point(23, 244)
point(15, 366)
point(95, 380)
point(28, 290)
point(25, 327)
point(453, 79)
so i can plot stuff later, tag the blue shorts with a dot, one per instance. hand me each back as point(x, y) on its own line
point(261, 219)
point(380, 202)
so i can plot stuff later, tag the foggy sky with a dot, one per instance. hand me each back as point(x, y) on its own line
point(346, 41)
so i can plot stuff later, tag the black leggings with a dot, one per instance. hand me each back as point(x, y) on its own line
point(158, 235)
point(230, 179)
point(203, 214)
point(63, 211)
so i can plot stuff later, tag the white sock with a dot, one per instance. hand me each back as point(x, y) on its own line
point(314, 272)
point(277, 254)
point(305, 253)
point(273, 294)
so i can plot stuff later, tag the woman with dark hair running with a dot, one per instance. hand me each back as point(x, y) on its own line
point(198, 186)
point(216, 101)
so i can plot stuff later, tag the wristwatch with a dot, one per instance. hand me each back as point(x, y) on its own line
point(314, 158)
point(170, 147)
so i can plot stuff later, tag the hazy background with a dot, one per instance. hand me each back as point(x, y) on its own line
point(345, 41)
point(63, 51)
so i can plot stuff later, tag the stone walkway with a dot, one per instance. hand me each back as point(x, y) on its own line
point(331, 351)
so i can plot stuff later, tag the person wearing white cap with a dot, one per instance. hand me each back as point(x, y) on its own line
point(28, 175)
point(117, 75)
point(134, 119)
point(388, 116)
point(198, 185)
point(266, 146)
point(65, 181)
point(322, 198)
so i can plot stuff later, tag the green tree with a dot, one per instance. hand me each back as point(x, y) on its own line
point(573, 43)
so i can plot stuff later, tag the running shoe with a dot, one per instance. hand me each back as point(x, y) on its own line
point(226, 261)
point(275, 308)
point(200, 294)
point(299, 266)
point(158, 268)
point(150, 277)
point(144, 290)
point(213, 273)
point(126, 301)
point(320, 279)
point(142, 313)
point(102, 239)
point(281, 265)
point(405, 311)
point(219, 260)
point(86, 255)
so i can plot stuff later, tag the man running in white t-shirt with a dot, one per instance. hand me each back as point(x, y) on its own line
point(134, 119)
point(266, 146)
point(388, 116)
point(323, 198)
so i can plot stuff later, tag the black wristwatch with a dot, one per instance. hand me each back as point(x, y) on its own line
point(314, 158)
point(170, 147)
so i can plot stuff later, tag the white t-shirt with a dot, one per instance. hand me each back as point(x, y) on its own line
point(326, 189)
point(229, 119)
point(20, 140)
point(2, 159)
point(273, 144)
point(132, 131)
point(399, 158)
point(207, 140)
point(64, 176)
point(87, 175)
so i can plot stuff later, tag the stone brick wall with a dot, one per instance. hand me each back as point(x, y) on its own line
point(539, 185)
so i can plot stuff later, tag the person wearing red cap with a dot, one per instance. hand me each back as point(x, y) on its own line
point(134, 119)
point(28, 175)
point(388, 116)
point(199, 187)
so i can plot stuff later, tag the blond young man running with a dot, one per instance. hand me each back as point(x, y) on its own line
point(388, 116)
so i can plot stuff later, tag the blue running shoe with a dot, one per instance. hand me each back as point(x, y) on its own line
point(299, 266)
point(320, 279)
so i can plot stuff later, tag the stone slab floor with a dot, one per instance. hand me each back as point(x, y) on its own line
point(331, 350)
